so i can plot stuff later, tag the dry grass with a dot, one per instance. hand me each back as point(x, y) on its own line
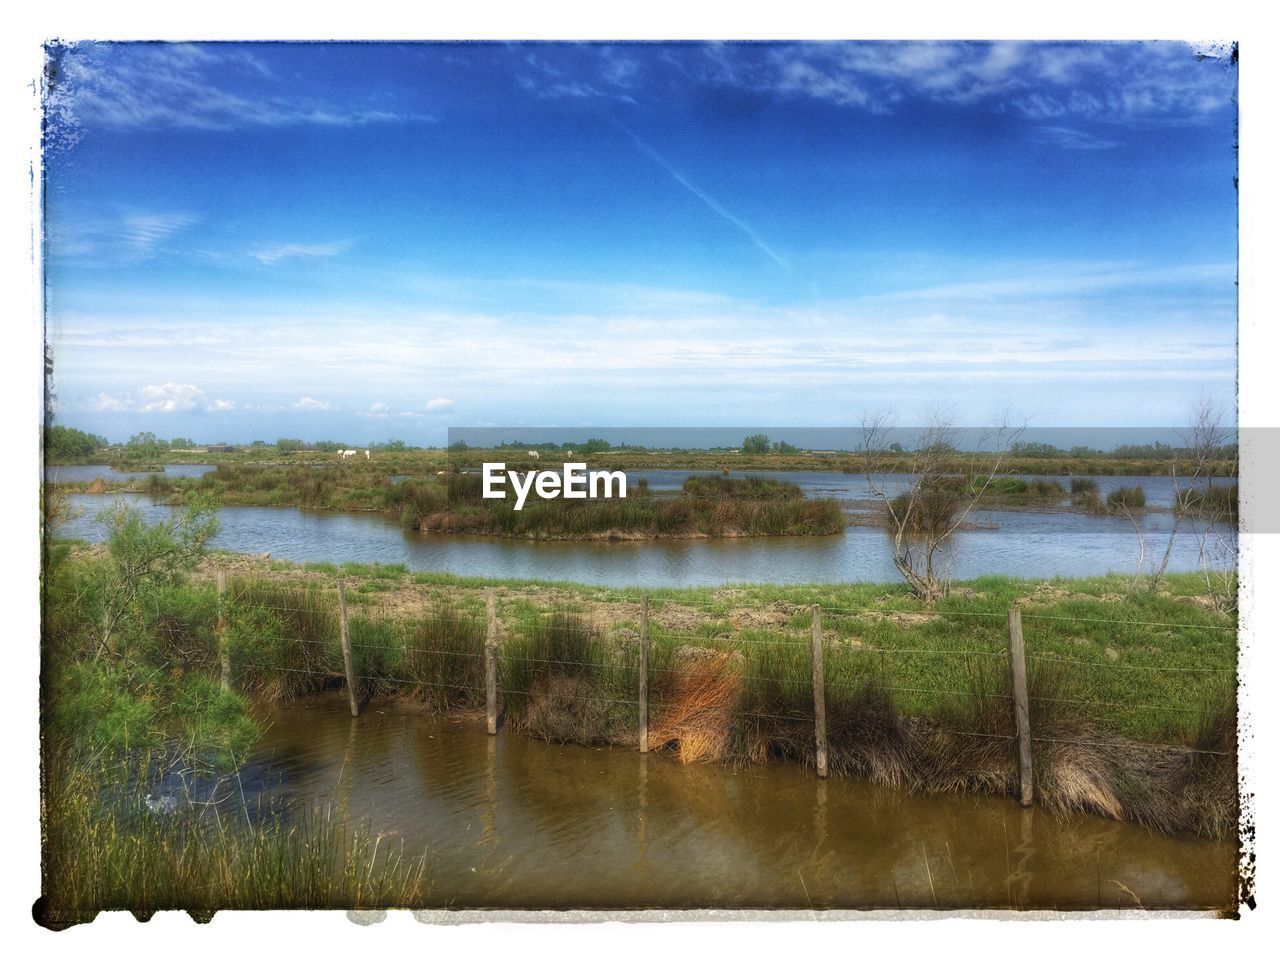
point(698, 702)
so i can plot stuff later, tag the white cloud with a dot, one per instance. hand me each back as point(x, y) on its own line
point(108, 403)
point(378, 408)
point(1103, 82)
point(114, 238)
point(161, 398)
point(287, 251)
point(439, 405)
point(199, 87)
point(309, 403)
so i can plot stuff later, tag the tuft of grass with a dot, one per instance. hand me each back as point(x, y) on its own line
point(1220, 502)
point(105, 849)
point(1126, 498)
point(561, 682)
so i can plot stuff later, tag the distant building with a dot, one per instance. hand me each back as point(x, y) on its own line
point(220, 448)
point(825, 453)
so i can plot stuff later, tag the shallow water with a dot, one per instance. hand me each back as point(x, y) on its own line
point(88, 472)
point(512, 822)
point(1041, 544)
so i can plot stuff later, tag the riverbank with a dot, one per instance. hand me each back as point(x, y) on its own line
point(1132, 693)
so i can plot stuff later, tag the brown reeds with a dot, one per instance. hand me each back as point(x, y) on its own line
point(699, 698)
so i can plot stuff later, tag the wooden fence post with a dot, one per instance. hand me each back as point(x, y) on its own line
point(1021, 706)
point(491, 660)
point(346, 650)
point(819, 695)
point(223, 654)
point(644, 674)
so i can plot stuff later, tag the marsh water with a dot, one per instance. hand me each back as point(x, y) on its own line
point(1043, 543)
point(507, 821)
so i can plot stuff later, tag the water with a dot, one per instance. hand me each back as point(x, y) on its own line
point(857, 486)
point(512, 822)
point(1041, 544)
point(87, 473)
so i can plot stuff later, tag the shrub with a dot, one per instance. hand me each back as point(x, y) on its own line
point(1126, 498)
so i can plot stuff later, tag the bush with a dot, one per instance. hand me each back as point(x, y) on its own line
point(928, 511)
point(1083, 485)
point(1126, 498)
point(1218, 502)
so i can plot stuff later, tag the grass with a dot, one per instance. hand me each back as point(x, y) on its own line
point(713, 507)
point(706, 506)
point(910, 690)
point(1126, 498)
point(426, 462)
point(104, 849)
point(1220, 502)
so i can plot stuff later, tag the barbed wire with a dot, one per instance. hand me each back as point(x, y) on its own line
point(1127, 666)
point(1171, 747)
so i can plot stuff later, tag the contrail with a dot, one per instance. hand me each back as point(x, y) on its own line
point(710, 201)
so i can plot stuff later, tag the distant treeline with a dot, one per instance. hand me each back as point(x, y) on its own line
point(67, 444)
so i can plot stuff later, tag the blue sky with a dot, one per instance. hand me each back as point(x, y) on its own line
point(367, 241)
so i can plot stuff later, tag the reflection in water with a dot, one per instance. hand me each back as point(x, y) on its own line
point(87, 473)
point(510, 822)
point(1045, 544)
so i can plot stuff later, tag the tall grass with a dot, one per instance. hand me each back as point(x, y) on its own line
point(930, 510)
point(561, 682)
point(1221, 502)
point(1126, 498)
point(1016, 488)
point(701, 513)
point(104, 849)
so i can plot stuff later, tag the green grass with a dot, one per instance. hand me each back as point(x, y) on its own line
point(1106, 666)
point(713, 507)
point(105, 850)
point(1113, 641)
point(1126, 498)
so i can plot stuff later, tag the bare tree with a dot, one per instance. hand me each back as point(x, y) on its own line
point(1210, 512)
point(1207, 511)
point(947, 484)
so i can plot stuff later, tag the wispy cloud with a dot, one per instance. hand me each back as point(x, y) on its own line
point(270, 256)
point(580, 71)
point(1071, 139)
point(1105, 82)
point(204, 87)
point(710, 201)
point(129, 237)
point(1040, 324)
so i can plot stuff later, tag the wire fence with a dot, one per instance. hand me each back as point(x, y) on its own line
point(794, 664)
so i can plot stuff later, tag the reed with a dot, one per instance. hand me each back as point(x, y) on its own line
point(1126, 498)
point(106, 848)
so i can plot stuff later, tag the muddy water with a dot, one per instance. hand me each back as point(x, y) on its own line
point(510, 822)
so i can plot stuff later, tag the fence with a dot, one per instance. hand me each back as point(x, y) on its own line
point(467, 655)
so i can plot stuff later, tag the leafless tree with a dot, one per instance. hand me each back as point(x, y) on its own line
point(947, 484)
point(1209, 514)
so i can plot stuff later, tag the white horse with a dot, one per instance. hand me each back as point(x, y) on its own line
point(366, 454)
point(343, 454)
point(533, 454)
